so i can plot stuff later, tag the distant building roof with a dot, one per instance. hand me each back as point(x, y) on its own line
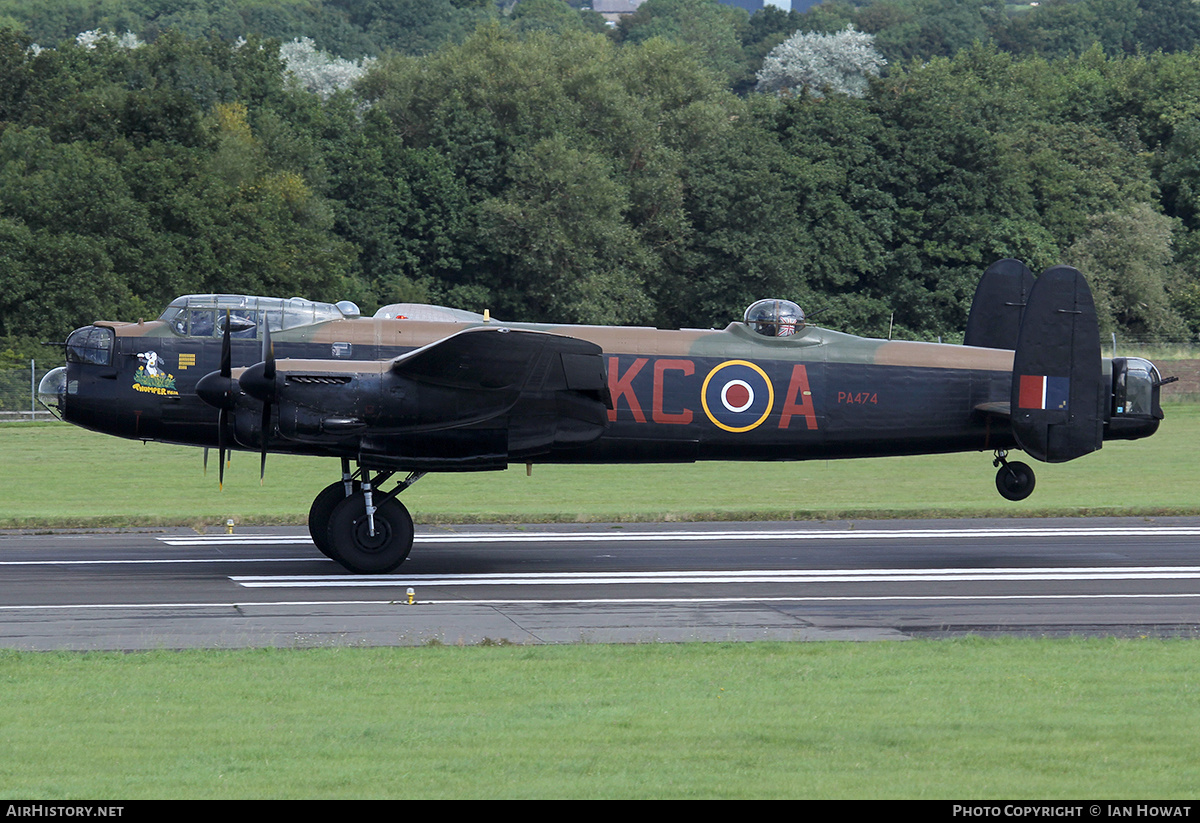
point(749, 5)
point(616, 6)
point(613, 10)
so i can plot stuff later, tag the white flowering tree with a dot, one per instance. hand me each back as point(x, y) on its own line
point(838, 63)
point(318, 71)
point(90, 39)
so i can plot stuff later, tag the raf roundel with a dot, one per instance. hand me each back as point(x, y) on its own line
point(737, 396)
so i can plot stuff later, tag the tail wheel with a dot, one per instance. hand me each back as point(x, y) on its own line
point(353, 543)
point(1015, 480)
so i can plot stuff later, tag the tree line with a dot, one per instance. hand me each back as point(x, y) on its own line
point(536, 165)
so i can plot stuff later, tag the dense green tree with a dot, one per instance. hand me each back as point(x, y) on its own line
point(560, 231)
point(403, 208)
point(155, 181)
point(745, 241)
point(1129, 262)
point(550, 15)
point(713, 30)
point(640, 144)
point(412, 26)
point(553, 173)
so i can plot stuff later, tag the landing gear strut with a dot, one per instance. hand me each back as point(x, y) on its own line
point(364, 529)
point(1014, 480)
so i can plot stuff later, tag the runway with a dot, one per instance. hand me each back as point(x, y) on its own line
point(863, 580)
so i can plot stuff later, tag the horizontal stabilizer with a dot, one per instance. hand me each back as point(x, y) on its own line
point(1058, 394)
point(999, 303)
point(999, 408)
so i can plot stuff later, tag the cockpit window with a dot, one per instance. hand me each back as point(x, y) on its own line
point(775, 318)
point(193, 323)
point(242, 324)
point(203, 315)
point(91, 344)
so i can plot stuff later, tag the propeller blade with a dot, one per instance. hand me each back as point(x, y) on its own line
point(206, 461)
point(268, 377)
point(221, 449)
point(226, 349)
point(266, 427)
point(268, 353)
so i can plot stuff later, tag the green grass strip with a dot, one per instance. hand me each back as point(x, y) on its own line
point(970, 718)
point(59, 476)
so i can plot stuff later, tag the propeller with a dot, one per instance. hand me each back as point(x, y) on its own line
point(219, 390)
point(268, 375)
point(258, 381)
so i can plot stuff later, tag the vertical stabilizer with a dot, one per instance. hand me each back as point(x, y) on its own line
point(1058, 396)
point(999, 303)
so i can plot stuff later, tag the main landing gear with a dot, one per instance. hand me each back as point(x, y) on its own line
point(356, 524)
point(1014, 480)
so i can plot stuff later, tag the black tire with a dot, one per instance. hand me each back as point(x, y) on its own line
point(351, 543)
point(321, 509)
point(1015, 481)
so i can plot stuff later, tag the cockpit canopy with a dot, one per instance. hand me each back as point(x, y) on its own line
point(775, 318)
point(1135, 387)
point(203, 315)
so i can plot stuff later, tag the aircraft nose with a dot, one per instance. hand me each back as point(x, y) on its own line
point(52, 391)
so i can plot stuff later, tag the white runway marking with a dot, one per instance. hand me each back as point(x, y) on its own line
point(430, 584)
point(687, 536)
point(257, 608)
point(166, 561)
point(725, 577)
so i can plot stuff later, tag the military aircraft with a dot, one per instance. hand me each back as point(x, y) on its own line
point(420, 388)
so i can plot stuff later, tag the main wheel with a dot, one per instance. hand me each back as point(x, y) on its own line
point(352, 544)
point(321, 509)
point(1015, 480)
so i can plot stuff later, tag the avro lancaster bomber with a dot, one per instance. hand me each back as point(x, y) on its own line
point(419, 388)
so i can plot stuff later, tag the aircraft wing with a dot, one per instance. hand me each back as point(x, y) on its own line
point(488, 396)
point(501, 359)
point(480, 398)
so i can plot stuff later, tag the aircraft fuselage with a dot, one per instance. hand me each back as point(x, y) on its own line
point(675, 395)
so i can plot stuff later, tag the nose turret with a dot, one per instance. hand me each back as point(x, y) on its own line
point(52, 391)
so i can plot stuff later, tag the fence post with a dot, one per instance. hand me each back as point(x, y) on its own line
point(32, 390)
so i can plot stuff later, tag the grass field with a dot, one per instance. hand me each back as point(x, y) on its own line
point(960, 719)
point(55, 475)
